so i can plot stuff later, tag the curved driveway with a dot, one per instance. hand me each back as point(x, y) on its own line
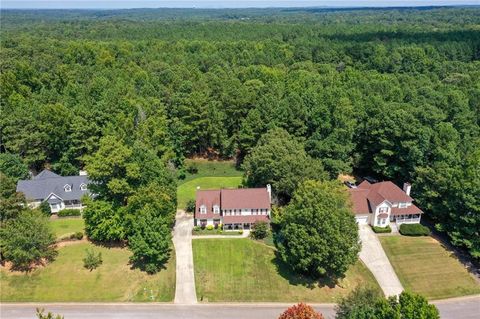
point(185, 278)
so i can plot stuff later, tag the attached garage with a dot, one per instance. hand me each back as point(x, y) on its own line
point(362, 219)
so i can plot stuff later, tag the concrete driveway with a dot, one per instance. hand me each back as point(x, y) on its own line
point(185, 278)
point(374, 257)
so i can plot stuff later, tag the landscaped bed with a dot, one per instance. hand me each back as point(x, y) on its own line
point(67, 226)
point(246, 270)
point(65, 279)
point(424, 266)
point(205, 231)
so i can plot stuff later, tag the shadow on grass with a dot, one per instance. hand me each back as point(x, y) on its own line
point(296, 279)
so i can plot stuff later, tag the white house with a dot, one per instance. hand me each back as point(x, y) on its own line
point(380, 203)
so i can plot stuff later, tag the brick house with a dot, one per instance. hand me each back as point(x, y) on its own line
point(233, 208)
point(380, 203)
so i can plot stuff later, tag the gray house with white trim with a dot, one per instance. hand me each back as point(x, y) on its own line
point(59, 191)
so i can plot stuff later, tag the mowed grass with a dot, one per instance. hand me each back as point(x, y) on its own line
point(65, 279)
point(208, 168)
point(246, 270)
point(65, 226)
point(424, 266)
point(187, 190)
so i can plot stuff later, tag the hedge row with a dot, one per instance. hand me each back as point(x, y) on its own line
point(69, 212)
point(414, 230)
point(378, 229)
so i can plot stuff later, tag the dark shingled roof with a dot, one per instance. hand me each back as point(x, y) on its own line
point(47, 182)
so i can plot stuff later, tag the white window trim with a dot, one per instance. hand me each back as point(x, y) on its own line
point(67, 188)
point(203, 209)
point(402, 205)
point(216, 209)
point(83, 187)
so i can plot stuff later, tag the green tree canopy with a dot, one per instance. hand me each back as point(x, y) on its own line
point(319, 235)
point(280, 160)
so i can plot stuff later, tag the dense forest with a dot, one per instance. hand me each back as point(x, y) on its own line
point(390, 93)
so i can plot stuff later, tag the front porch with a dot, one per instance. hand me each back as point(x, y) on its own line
point(406, 219)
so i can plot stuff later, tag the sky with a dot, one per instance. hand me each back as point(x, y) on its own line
point(125, 4)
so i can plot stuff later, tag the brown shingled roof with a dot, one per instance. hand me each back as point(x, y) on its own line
point(209, 198)
point(358, 197)
point(245, 198)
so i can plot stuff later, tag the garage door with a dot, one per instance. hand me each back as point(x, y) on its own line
point(363, 220)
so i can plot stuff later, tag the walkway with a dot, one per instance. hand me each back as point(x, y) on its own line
point(185, 278)
point(376, 260)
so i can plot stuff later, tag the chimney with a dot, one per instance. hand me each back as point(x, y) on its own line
point(269, 191)
point(82, 173)
point(406, 188)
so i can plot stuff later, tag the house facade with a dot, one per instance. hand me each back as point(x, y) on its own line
point(380, 203)
point(60, 192)
point(233, 208)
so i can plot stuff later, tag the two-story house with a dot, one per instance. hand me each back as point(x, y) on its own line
point(233, 208)
point(380, 203)
point(59, 191)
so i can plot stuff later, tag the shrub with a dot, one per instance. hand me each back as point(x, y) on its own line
point(45, 208)
point(69, 212)
point(210, 227)
point(181, 174)
point(78, 235)
point(259, 230)
point(196, 228)
point(190, 208)
point(380, 230)
point(240, 231)
point(300, 311)
point(92, 260)
point(192, 168)
point(414, 230)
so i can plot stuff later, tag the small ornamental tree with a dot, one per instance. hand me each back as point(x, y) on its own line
point(319, 235)
point(45, 208)
point(92, 260)
point(300, 311)
point(259, 230)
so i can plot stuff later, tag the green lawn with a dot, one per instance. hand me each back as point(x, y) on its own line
point(65, 279)
point(246, 270)
point(425, 267)
point(66, 226)
point(187, 190)
point(208, 168)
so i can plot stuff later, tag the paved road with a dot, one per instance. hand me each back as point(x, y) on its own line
point(376, 260)
point(185, 278)
point(150, 311)
point(465, 308)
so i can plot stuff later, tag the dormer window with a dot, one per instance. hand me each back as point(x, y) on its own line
point(203, 209)
point(83, 187)
point(402, 205)
point(216, 209)
point(67, 188)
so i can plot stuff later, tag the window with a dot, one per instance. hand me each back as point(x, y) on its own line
point(83, 187)
point(203, 209)
point(383, 210)
point(216, 209)
point(67, 188)
point(402, 205)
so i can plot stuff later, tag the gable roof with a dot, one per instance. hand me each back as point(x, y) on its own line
point(245, 198)
point(47, 182)
point(368, 196)
point(209, 198)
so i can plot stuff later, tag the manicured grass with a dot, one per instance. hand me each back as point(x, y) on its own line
point(247, 270)
point(187, 190)
point(424, 266)
point(208, 168)
point(67, 226)
point(65, 279)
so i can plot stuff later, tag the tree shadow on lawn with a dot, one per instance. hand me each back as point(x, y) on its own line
point(296, 279)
